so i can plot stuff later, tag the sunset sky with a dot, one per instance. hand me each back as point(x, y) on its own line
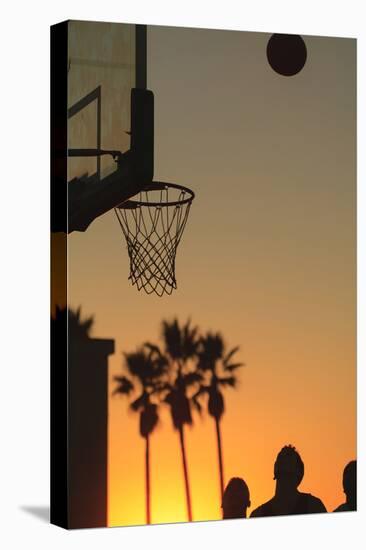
point(267, 257)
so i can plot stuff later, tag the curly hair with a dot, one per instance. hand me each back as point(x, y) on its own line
point(284, 462)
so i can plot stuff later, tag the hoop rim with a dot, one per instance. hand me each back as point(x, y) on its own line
point(159, 186)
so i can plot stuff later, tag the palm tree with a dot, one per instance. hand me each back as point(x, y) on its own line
point(79, 328)
point(218, 371)
point(180, 346)
point(146, 370)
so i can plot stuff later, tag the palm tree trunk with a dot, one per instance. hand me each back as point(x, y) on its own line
point(147, 480)
point(219, 452)
point(185, 470)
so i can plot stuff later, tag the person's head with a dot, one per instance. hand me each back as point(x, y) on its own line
point(236, 499)
point(350, 483)
point(289, 468)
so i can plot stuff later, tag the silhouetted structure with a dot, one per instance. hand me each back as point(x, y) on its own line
point(236, 499)
point(87, 421)
point(349, 488)
point(288, 473)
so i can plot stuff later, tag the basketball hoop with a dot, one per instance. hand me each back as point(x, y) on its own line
point(153, 224)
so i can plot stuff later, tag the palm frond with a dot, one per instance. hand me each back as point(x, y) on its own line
point(172, 338)
point(189, 340)
point(229, 355)
point(160, 388)
point(124, 386)
point(233, 366)
point(197, 405)
point(227, 381)
point(140, 402)
point(153, 348)
point(146, 367)
point(202, 390)
point(180, 341)
point(210, 351)
point(191, 378)
point(136, 364)
point(161, 365)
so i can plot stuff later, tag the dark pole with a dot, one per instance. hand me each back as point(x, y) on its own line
point(219, 452)
point(147, 473)
point(141, 57)
point(185, 471)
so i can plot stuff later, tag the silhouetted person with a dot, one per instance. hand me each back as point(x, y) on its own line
point(349, 488)
point(236, 499)
point(288, 473)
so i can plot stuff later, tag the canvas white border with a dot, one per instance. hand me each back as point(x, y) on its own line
point(24, 403)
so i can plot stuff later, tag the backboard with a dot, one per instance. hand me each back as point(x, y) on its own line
point(109, 118)
point(101, 73)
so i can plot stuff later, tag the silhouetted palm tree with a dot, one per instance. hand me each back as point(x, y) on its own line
point(77, 327)
point(216, 364)
point(180, 346)
point(146, 370)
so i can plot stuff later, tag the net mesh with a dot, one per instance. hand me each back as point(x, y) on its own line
point(153, 224)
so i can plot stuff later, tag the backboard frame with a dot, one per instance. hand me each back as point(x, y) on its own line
point(71, 209)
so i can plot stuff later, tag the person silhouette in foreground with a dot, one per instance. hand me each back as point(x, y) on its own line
point(288, 473)
point(349, 488)
point(236, 499)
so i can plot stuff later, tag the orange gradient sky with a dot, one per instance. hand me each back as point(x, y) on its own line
point(267, 258)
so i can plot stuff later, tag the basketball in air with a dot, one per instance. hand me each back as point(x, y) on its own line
point(286, 53)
